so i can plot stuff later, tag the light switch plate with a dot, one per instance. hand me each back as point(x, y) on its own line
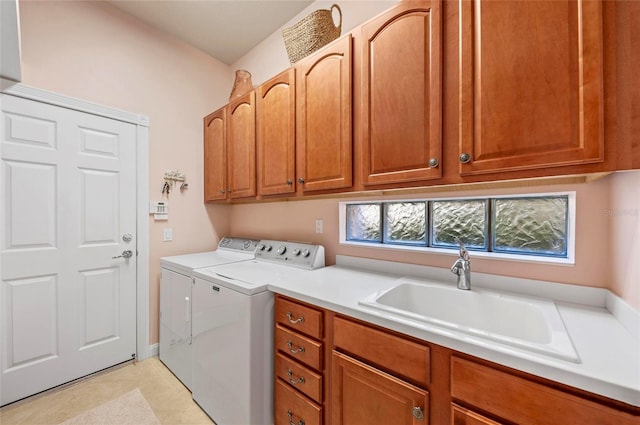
point(168, 234)
point(319, 225)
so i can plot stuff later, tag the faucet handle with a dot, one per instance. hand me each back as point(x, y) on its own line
point(464, 254)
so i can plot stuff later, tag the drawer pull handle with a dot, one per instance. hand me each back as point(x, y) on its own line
point(417, 413)
point(294, 351)
point(292, 381)
point(290, 415)
point(298, 320)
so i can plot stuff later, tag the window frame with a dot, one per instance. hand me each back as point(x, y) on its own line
point(571, 229)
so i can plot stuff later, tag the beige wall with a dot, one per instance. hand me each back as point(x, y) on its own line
point(296, 220)
point(92, 51)
point(623, 217)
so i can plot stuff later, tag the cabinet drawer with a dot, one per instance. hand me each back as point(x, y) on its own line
point(299, 347)
point(462, 416)
point(299, 317)
point(389, 352)
point(303, 379)
point(293, 408)
point(519, 400)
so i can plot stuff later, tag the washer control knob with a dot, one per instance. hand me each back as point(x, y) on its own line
point(261, 247)
point(267, 248)
point(296, 251)
point(305, 252)
point(281, 250)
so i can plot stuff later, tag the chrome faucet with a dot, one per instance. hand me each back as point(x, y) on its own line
point(462, 267)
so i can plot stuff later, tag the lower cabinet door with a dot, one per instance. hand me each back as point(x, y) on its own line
point(362, 394)
point(292, 408)
point(462, 416)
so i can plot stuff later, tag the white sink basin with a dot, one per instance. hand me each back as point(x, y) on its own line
point(528, 323)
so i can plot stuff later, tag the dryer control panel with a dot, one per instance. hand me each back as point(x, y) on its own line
point(294, 254)
point(238, 244)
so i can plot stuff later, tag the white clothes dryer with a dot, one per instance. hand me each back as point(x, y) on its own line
point(233, 331)
point(175, 348)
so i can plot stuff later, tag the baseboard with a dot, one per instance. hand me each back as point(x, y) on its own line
point(153, 350)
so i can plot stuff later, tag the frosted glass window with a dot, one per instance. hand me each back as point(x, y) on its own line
point(363, 222)
point(464, 219)
point(405, 223)
point(537, 225)
point(531, 225)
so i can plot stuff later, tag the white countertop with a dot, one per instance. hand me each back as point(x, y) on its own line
point(609, 350)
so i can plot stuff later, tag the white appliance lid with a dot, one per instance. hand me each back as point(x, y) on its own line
point(249, 277)
point(187, 263)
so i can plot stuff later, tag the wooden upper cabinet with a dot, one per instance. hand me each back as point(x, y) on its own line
point(215, 163)
point(323, 102)
point(401, 93)
point(531, 84)
point(241, 146)
point(275, 135)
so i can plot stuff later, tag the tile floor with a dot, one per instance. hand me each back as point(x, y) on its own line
point(170, 400)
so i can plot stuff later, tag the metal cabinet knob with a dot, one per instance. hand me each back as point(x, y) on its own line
point(464, 158)
point(416, 411)
point(222, 190)
point(433, 162)
point(289, 182)
point(301, 180)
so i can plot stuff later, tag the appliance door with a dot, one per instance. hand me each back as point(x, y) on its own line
point(175, 324)
point(232, 354)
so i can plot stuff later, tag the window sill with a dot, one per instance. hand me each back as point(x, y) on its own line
point(474, 254)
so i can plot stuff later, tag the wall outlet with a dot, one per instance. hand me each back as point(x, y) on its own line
point(168, 234)
point(319, 225)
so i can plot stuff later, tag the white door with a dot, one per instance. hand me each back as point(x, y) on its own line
point(68, 206)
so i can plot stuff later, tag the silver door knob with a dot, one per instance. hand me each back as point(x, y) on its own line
point(464, 158)
point(125, 254)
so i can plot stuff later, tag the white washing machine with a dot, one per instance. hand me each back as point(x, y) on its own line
point(176, 284)
point(233, 331)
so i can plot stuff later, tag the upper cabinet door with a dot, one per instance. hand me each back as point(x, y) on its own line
point(241, 146)
point(215, 156)
point(402, 94)
point(531, 84)
point(324, 135)
point(276, 139)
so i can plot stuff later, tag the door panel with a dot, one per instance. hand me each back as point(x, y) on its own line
point(323, 102)
point(531, 84)
point(32, 331)
point(215, 156)
point(401, 94)
point(99, 306)
point(68, 195)
point(241, 146)
point(29, 220)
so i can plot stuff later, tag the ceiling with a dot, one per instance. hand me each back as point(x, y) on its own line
point(225, 29)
